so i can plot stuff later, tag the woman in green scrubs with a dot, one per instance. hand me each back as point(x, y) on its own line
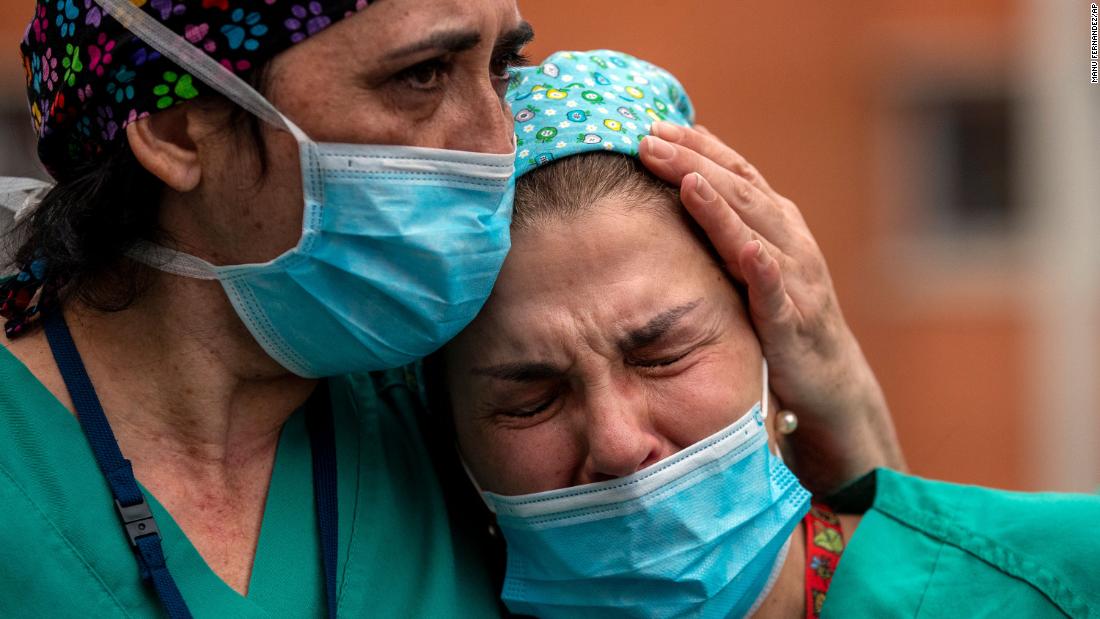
point(599, 403)
point(65, 556)
point(176, 371)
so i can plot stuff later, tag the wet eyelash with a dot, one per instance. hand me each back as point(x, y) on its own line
point(530, 412)
point(661, 362)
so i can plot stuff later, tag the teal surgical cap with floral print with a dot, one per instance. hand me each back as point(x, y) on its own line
point(602, 100)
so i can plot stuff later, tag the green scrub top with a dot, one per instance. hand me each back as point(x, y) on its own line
point(63, 552)
point(934, 549)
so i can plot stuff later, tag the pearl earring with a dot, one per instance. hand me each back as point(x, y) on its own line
point(786, 422)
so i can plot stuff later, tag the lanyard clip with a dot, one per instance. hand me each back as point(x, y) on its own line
point(137, 519)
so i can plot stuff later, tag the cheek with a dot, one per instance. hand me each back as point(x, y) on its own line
point(473, 118)
point(713, 393)
point(511, 461)
point(272, 213)
point(245, 214)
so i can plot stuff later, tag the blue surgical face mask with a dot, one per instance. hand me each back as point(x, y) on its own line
point(702, 533)
point(400, 245)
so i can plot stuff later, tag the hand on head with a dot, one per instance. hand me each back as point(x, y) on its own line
point(816, 366)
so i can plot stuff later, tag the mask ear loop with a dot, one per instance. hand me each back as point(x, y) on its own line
point(764, 390)
point(473, 480)
point(206, 69)
point(765, 403)
point(172, 261)
point(782, 559)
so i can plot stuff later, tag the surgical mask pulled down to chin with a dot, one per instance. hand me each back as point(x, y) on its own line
point(399, 250)
point(702, 533)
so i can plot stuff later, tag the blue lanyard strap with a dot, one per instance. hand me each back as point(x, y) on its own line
point(137, 519)
point(322, 438)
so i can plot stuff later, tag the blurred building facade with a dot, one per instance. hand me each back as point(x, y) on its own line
point(945, 156)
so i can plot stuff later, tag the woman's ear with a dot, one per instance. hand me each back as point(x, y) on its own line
point(163, 144)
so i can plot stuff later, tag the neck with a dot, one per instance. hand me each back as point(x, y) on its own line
point(787, 597)
point(196, 406)
point(177, 372)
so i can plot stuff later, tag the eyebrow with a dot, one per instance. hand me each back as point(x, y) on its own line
point(520, 372)
point(534, 371)
point(454, 41)
point(515, 38)
point(657, 327)
point(445, 40)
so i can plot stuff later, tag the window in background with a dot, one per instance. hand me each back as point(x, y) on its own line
point(964, 163)
point(954, 214)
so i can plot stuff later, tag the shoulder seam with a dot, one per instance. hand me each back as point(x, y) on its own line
point(928, 583)
point(76, 553)
point(991, 552)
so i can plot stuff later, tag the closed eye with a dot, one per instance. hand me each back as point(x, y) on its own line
point(660, 362)
point(530, 411)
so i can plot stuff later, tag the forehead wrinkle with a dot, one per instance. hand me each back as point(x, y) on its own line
point(603, 316)
point(543, 344)
point(657, 326)
point(551, 305)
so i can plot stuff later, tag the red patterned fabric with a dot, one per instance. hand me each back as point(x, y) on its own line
point(824, 544)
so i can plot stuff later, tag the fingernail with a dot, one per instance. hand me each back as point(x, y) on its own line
point(703, 189)
point(667, 130)
point(659, 148)
point(761, 257)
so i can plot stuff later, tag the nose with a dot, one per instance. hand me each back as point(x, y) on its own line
point(620, 439)
point(486, 125)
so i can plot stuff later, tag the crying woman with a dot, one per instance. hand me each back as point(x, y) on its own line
point(611, 403)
